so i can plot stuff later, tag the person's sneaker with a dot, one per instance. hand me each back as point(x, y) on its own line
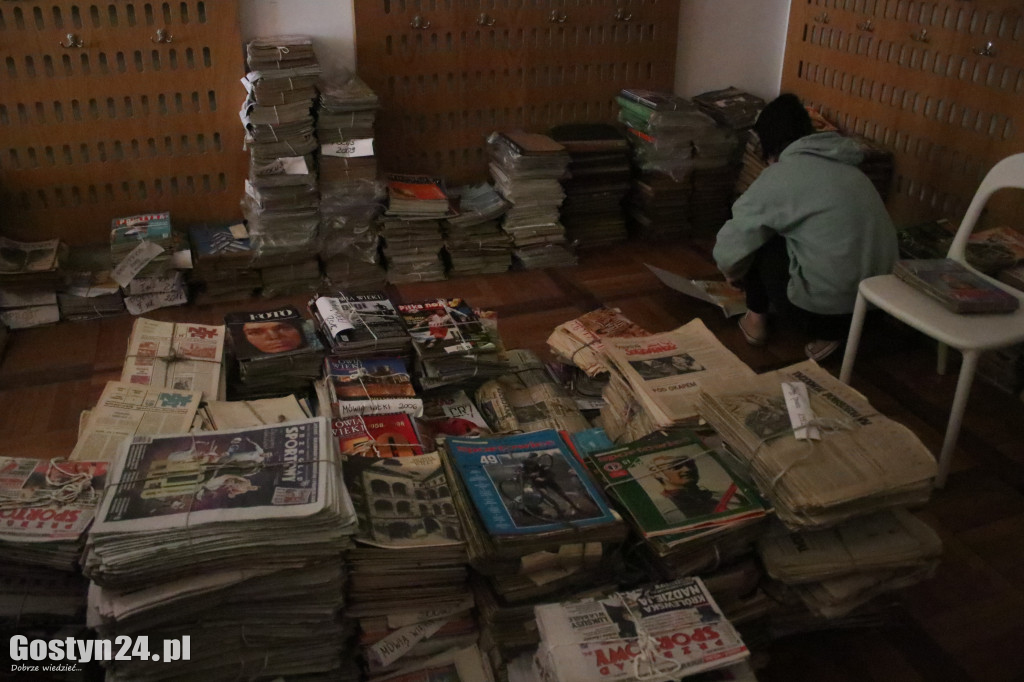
point(819, 350)
point(754, 329)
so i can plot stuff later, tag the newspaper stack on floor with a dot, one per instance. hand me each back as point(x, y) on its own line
point(412, 249)
point(526, 169)
point(360, 325)
point(218, 415)
point(450, 412)
point(658, 633)
point(39, 602)
point(88, 291)
point(578, 341)
point(273, 352)
point(47, 507)
point(240, 529)
point(836, 570)
point(850, 461)
point(346, 113)
point(664, 373)
point(473, 239)
point(30, 275)
point(527, 399)
point(148, 239)
point(180, 355)
point(221, 255)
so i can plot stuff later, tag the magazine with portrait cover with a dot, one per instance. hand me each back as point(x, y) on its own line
point(266, 333)
point(271, 472)
point(527, 483)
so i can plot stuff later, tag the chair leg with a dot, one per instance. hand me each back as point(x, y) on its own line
point(956, 415)
point(942, 357)
point(860, 308)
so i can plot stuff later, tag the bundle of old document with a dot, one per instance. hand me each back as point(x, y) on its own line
point(183, 355)
point(578, 341)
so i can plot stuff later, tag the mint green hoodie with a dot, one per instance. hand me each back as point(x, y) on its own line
point(837, 229)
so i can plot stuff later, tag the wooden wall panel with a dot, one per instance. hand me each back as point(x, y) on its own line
point(449, 72)
point(939, 83)
point(116, 108)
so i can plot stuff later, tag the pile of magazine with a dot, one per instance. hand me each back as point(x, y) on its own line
point(955, 287)
point(412, 249)
point(526, 169)
point(360, 325)
point(148, 240)
point(273, 352)
point(242, 530)
point(371, 385)
point(658, 633)
point(221, 255)
point(473, 239)
point(837, 458)
point(30, 275)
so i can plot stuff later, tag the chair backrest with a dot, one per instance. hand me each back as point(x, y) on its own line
point(1007, 173)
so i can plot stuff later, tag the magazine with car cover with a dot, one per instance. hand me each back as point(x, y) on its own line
point(270, 472)
point(444, 327)
point(954, 286)
point(675, 484)
point(377, 435)
point(657, 633)
point(527, 483)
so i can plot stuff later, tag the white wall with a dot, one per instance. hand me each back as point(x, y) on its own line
point(328, 22)
point(736, 43)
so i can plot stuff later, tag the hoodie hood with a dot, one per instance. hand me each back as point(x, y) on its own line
point(830, 145)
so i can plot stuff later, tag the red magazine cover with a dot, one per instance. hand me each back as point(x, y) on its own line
point(380, 435)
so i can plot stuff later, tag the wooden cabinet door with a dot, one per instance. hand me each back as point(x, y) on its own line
point(449, 72)
point(116, 108)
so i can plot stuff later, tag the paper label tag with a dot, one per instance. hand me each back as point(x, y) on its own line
point(238, 231)
point(349, 148)
point(392, 647)
point(799, 406)
point(334, 315)
point(140, 305)
point(136, 260)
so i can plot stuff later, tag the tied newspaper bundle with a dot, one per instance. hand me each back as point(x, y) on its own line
point(184, 356)
point(30, 275)
point(370, 386)
point(655, 634)
point(360, 324)
point(838, 459)
point(473, 239)
point(274, 352)
point(578, 341)
point(241, 529)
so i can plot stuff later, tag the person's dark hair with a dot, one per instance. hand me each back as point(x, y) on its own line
point(783, 120)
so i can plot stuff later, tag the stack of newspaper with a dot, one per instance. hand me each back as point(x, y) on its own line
point(836, 570)
point(578, 341)
point(662, 129)
point(450, 412)
point(88, 290)
point(731, 107)
point(281, 194)
point(221, 255)
point(267, 507)
point(815, 447)
point(658, 633)
point(300, 277)
point(351, 196)
point(360, 325)
point(412, 249)
point(183, 355)
point(47, 507)
point(597, 182)
point(527, 398)
point(662, 374)
point(29, 279)
point(657, 206)
point(473, 239)
point(526, 169)
point(273, 352)
point(43, 603)
point(143, 294)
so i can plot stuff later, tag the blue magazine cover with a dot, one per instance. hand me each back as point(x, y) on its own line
point(527, 483)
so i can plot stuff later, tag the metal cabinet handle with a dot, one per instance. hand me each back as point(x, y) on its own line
point(821, 18)
point(921, 37)
point(866, 26)
point(622, 15)
point(558, 17)
point(162, 36)
point(419, 22)
point(73, 41)
point(988, 51)
point(485, 20)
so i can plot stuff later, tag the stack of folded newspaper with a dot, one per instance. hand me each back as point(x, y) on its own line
point(526, 169)
point(473, 239)
point(181, 355)
point(148, 239)
point(242, 530)
point(346, 113)
point(836, 570)
point(837, 458)
point(300, 277)
point(650, 634)
point(412, 249)
point(578, 341)
point(221, 255)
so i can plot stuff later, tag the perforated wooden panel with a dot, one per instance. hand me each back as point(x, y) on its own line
point(116, 108)
point(938, 83)
point(449, 72)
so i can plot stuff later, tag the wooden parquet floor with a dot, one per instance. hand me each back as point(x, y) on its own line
point(966, 623)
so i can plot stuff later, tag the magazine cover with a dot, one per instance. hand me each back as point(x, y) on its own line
point(217, 240)
point(266, 333)
point(378, 435)
point(48, 500)
point(527, 483)
point(452, 413)
point(279, 470)
point(369, 378)
point(354, 318)
point(954, 286)
point(675, 485)
point(25, 257)
point(441, 327)
point(403, 502)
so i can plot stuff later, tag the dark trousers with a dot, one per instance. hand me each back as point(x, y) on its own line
point(765, 285)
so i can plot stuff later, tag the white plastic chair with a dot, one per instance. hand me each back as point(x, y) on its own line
point(970, 334)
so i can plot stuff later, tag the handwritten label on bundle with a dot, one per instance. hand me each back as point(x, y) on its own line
point(799, 406)
point(334, 315)
point(140, 256)
point(138, 305)
point(349, 149)
point(389, 649)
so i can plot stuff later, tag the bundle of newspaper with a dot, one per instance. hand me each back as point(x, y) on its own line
point(346, 113)
point(360, 325)
point(48, 602)
point(301, 277)
point(665, 371)
point(180, 355)
point(527, 398)
point(450, 412)
point(46, 507)
point(141, 245)
point(29, 278)
point(217, 415)
point(144, 294)
point(578, 341)
point(835, 458)
point(838, 569)
point(412, 249)
point(220, 263)
point(273, 352)
point(264, 497)
point(348, 237)
point(473, 239)
point(657, 633)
